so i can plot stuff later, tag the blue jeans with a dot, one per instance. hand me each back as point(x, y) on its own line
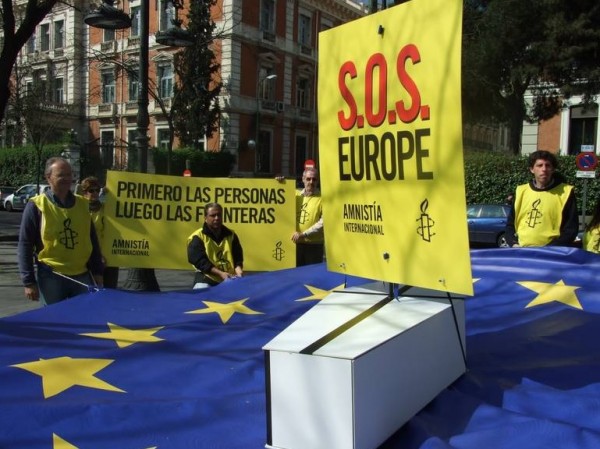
point(55, 288)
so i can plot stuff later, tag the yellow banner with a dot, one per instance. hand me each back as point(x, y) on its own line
point(390, 145)
point(149, 218)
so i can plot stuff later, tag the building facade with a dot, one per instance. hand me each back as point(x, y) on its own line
point(267, 50)
point(574, 130)
point(49, 89)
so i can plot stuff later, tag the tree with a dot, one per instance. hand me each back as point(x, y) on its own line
point(18, 25)
point(547, 47)
point(195, 108)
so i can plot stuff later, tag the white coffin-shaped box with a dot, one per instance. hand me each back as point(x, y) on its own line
point(357, 366)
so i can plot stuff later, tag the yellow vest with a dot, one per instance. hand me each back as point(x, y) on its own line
point(65, 234)
point(219, 254)
point(98, 220)
point(538, 215)
point(308, 211)
point(591, 240)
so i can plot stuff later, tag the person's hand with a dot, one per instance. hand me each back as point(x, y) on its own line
point(516, 245)
point(297, 237)
point(239, 272)
point(32, 292)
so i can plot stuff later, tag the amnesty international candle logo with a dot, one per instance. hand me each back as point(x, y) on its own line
point(534, 216)
point(390, 147)
point(68, 236)
point(425, 227)
point(278, 252)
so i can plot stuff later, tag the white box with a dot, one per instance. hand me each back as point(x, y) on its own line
point(357, 366)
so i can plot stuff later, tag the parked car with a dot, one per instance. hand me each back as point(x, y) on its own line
point(18, 200)
point(4, 192)
point(487, 223)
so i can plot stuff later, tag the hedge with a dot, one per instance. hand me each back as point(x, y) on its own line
point(489, 177)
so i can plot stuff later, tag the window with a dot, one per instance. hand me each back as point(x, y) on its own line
point(167, 15)
point(263, 158)
point(266, 86)
point(135, 21)
point(267, 16)
point(58, 91)
point(108, 87)
point(109, 35)
point(45, 37)
point(133, 86)
point(304, 30)
point(162, 138)
point(303, 93)
point(301, 154)
point(31, 44)
point(59, 34)
point(583, 127)
point(165, 81)
point(107, 148)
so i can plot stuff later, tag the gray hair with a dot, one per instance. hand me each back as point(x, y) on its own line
point(50, 162)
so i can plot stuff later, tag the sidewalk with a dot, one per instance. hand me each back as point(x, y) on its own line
point(12, 298)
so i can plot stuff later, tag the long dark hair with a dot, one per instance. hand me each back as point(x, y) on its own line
point(595, 221)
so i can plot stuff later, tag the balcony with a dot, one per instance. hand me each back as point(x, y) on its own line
point(268, 105)
point(59, 52)
point(305, 50)
point(268, 36)
point(108, 47)
point(133, 41)
point(107, 109)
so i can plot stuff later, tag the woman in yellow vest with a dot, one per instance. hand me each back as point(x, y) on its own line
point(591, 236)
point(90, 189)
point(215, 250)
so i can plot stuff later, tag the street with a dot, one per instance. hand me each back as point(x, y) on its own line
point(12, 298)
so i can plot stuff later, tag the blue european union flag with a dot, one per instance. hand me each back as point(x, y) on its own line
point(181, 370)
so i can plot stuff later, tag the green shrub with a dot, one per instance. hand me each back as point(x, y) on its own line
point(202, 163)
point(21, 165)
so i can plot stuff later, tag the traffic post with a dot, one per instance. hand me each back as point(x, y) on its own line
point(586, 162)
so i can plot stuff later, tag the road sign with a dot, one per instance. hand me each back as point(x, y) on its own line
point(590, 174)
point(187, 172)
point(309, 163)
point(586, 161)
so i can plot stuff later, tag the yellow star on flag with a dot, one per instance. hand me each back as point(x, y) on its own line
point(59, 443)
point(548, 292)
point(318, 293)
point(124, 337)
point(226, 310)
point(61, 373)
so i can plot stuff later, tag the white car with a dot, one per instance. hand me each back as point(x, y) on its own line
point(18, 200)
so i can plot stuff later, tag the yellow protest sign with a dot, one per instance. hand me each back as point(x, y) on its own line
point(148, 219)
point(390, 147)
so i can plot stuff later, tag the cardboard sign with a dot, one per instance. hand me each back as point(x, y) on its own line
point(390, 141)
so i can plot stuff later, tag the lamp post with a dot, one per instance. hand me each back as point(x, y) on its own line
point(109, 17)
point(257, 141)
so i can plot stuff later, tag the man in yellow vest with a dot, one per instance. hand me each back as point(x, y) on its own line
point(215, 250)
point(544, 211)
point(309, 221)
point(57, 232)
